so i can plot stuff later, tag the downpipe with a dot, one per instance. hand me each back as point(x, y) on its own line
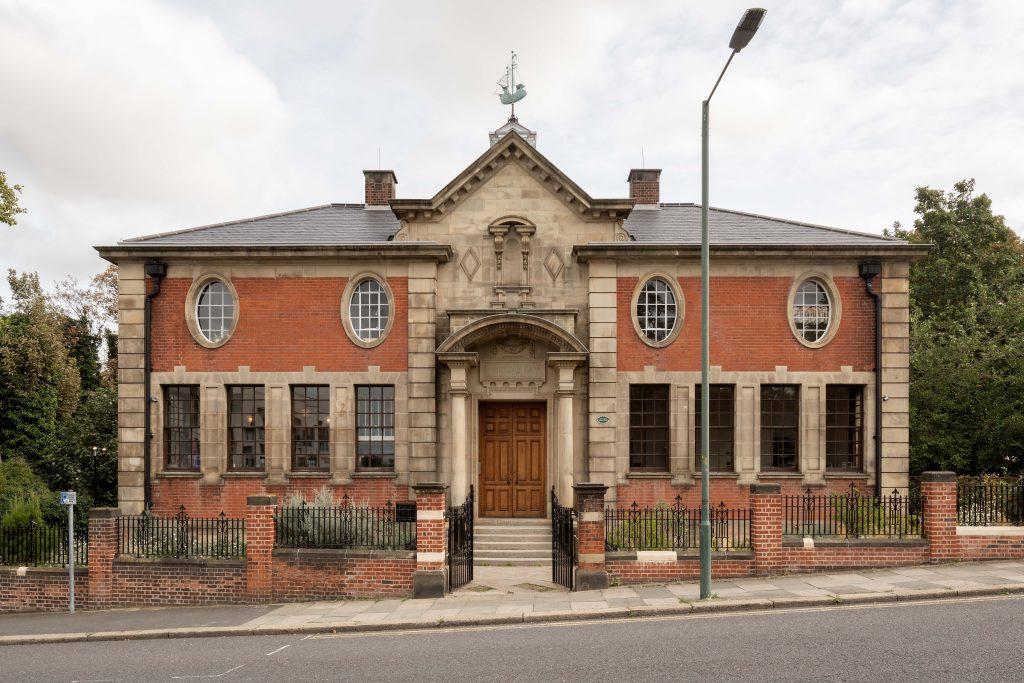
point(868, 272)
point(156, 272)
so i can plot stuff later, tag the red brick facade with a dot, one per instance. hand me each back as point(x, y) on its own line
point(651, 492)
point(751, 329)
point(228, 496)
point(284, 324)
point(329, 574)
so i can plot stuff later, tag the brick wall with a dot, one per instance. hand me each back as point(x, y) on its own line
point(626, 570)
point(304, 574)
point(33, 589)
point(980, 546)
point(229, 496)
point(751, 330)
point(284, 324)
point(172, 582)
point(855, 554)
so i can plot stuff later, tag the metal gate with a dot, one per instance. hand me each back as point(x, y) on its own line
point(563, 543)
point(460, 543)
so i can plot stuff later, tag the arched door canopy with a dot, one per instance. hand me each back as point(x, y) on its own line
point(511, 325)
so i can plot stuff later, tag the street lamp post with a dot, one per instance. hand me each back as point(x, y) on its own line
point(740, 38)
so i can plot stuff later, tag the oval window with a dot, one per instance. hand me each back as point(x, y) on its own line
point(369, 310)
point(812, 310)
point(215, 311)
point(656, 310)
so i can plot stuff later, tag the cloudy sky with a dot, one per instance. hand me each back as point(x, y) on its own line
point(130, 117)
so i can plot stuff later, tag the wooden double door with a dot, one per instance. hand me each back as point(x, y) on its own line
point(512, 459)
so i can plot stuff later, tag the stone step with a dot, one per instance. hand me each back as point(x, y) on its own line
point(511, 562)
point(513, 521)
point(480, 545)
point(511, 552)
point(511, 532)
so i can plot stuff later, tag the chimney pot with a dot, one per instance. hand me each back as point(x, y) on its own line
point(645, 185)
point(380, 187)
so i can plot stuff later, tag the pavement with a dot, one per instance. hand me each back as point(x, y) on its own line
point(511, 595)
point(960, 639)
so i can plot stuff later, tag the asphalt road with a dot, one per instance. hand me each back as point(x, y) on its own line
point(975, 639)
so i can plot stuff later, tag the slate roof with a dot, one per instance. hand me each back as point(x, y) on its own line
point(345, 224)
point(680, 224)
point(331, 224)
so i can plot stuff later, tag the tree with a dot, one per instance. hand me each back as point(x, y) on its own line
point(967, 336)
point(39, 382)
point(9, 207)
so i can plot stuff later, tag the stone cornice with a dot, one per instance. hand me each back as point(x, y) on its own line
point(632, 251)
point(432, 251)
point(512, 149)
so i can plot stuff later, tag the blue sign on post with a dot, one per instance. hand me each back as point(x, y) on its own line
point(68, 498)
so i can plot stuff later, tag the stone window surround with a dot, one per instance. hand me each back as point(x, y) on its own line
point(673, 283)
point(213, 423)
point(192, 301)
point(836, 312)
point(683, 465)
point(346, 299)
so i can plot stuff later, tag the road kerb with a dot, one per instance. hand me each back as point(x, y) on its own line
point(706, 607)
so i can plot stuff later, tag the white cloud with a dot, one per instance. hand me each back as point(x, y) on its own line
point(126, 118)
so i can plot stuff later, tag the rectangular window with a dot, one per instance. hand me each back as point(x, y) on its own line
point(246, 422)
point(720, 420)
point(375, 427)
point(648, 427)
point(844, 427)
point(780, 426)
point(181, 428)
point(311, 427)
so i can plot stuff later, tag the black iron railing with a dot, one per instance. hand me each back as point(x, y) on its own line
point(181, 536)
point(460, 543)
point(349, 525)
point(38, 545)
point(996, 502)
point(851, 515)
point(674, 528)
point(563, 543)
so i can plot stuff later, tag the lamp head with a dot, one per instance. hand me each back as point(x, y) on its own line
point(747, 27)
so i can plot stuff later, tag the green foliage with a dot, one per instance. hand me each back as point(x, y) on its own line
point(9, 207)
point(18, 483)
point(22, 511)
point(324, 522)
point(967, 336)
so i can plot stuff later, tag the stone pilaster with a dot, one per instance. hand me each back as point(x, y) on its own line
point(603, 287)
point(422, 405)
point(565, 365)
point(132, 402)
point(457, 461)
point(895, 288)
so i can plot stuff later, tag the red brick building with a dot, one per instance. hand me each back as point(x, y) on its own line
point(511, 333)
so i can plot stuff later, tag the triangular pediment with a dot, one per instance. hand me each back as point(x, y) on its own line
point(511, 149)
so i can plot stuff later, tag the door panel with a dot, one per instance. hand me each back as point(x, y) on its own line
point(512, 462)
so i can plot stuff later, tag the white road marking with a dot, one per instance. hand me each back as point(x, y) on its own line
point(278, 650)
point(179, 678)
point(669, 617)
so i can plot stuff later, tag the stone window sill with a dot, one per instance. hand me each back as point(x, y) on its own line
point(846, 475)
point(311, 474)
point(780, 475)
point(374, 475)
point(721, 475)
point(244, 475)
point(649, 475)
point(176, 474)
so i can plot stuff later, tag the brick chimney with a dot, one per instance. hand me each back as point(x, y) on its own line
point(645, 185)
point(380, 187)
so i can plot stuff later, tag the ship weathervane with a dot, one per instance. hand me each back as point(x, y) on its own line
point(511, 92)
